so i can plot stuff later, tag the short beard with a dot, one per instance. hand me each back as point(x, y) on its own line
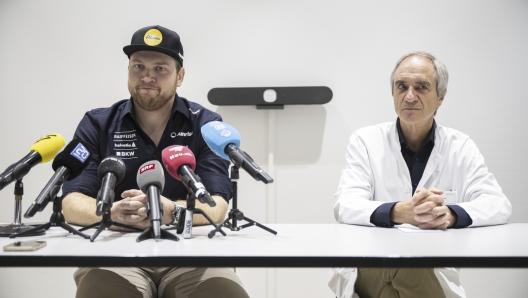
point(151, 104)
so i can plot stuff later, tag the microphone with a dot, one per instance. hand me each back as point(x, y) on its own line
point(42, 151)
point(68, 164)
point(180, 163)
point(223, 139)
point(111, 171)
point(151, 180)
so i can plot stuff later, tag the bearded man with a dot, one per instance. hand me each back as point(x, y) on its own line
point(137, 130)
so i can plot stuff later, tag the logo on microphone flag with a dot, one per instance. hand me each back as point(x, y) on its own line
point(225, 133)
point(176, 148)
point(148, 167)
point(80, 152)
point(217, 125)
point(46, 137)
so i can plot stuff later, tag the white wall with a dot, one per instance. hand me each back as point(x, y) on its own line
point(59, 59)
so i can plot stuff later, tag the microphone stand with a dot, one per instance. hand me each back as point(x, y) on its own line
point(17, 227)
point(155, 213)
point(106, 223)
point(190, 210)
point(56, 220)
point(235, 214)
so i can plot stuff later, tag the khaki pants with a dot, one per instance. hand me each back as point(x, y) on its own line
point(398, 283)
point(158, 282)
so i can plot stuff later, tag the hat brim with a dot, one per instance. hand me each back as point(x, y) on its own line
point(131, 49)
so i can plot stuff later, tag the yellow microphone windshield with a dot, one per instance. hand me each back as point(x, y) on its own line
point(48, 146)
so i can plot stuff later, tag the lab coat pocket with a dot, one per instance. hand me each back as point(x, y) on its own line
point(450, 197)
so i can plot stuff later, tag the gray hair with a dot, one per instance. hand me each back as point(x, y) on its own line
point(440, 72)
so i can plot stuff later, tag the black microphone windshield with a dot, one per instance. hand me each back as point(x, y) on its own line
point(75, 156)
point(114, 165)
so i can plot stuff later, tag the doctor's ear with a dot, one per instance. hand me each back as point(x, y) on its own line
point(441, 98)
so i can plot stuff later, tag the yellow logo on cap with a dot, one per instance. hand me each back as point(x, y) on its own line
point(153, 37)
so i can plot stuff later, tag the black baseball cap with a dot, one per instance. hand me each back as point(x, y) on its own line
point(157, 39)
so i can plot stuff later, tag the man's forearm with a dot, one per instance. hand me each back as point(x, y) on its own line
point(79, 209)
point(217, 213)
point(402, 212)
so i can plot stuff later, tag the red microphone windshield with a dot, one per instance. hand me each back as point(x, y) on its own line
point(175, 156)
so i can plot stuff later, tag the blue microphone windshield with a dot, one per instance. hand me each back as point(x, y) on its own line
point(218, 135)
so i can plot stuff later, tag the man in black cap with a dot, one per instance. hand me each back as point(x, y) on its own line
point(137, 130)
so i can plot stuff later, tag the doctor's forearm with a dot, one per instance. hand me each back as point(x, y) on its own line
point(402, 212)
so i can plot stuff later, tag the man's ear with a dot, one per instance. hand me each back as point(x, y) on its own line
point(180, 77)
point(441, 99)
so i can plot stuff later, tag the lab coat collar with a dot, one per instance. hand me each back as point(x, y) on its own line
point(430, 137)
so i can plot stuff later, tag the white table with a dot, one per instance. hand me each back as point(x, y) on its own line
point(295, 245)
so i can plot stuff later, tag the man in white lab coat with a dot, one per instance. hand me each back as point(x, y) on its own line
point(416, 172)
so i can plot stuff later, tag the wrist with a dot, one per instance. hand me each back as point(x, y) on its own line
point(395, 212)
point(176, 213)
point(402, 212)
point(454, 219)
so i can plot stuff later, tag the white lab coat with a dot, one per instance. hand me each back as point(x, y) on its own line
point(377, 173)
